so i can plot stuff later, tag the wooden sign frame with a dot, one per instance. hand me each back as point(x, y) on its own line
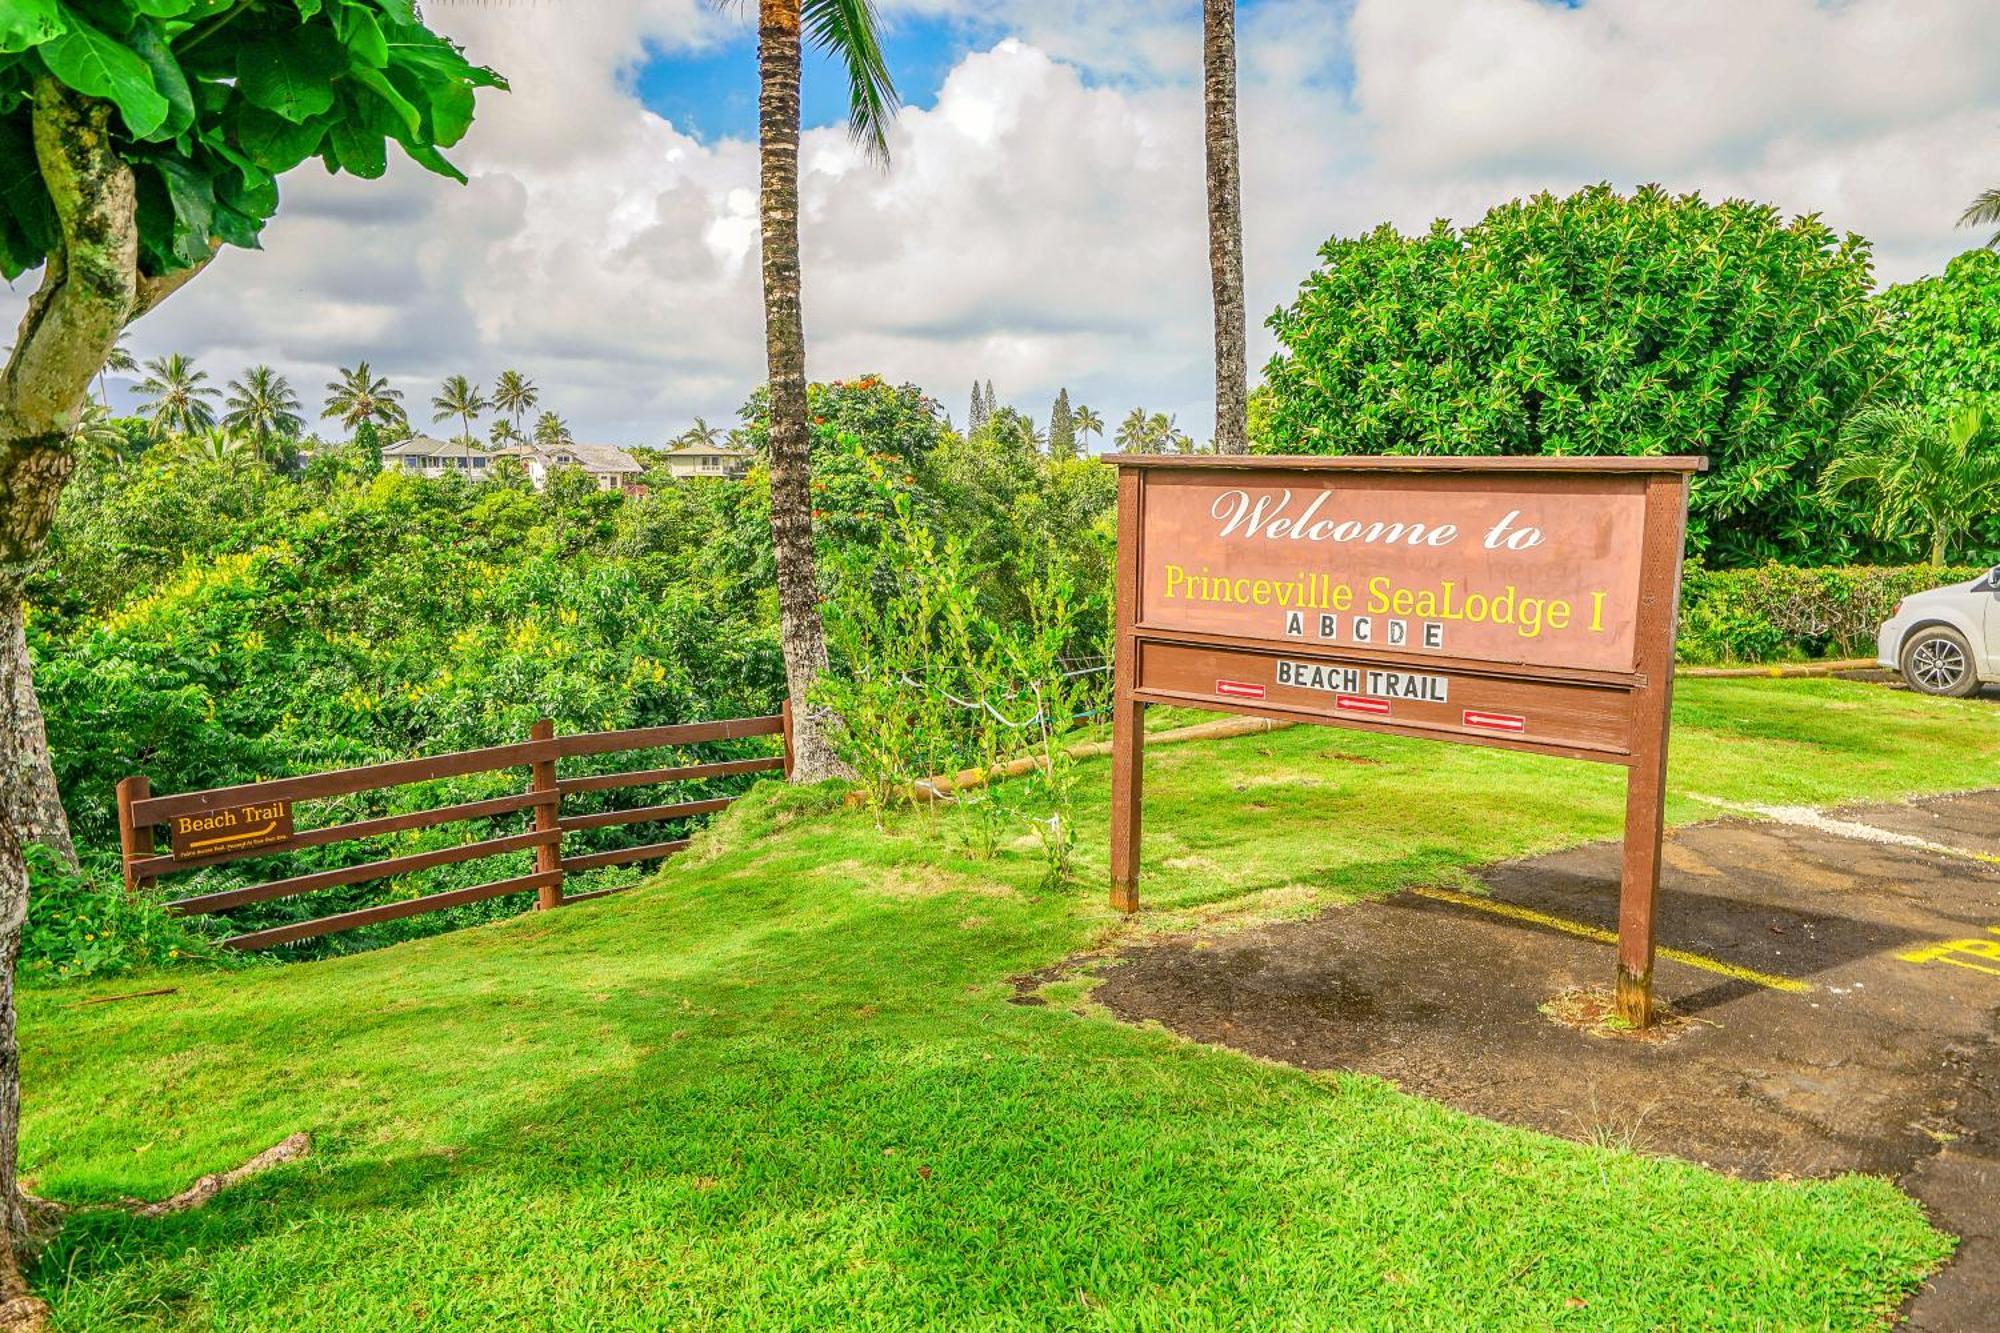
point(1628, 517)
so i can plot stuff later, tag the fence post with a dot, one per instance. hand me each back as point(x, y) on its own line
point(133, 841)
point(548, 817)
point(785, 712)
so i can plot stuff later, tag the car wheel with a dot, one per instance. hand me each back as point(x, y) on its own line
point(1937, 660)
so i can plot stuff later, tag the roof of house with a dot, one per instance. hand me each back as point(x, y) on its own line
point(596, 458)
point(706, 450)
point(423, 446)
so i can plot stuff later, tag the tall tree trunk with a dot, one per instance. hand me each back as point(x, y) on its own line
point(803, 636)
point(90, 290)
point(1225, 225)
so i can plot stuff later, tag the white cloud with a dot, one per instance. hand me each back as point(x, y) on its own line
point(1042, 221)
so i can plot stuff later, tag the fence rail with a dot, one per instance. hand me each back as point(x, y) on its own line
point(140, 813)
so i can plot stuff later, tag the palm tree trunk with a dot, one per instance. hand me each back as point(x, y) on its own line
point(803, 637)
point(1225, 225)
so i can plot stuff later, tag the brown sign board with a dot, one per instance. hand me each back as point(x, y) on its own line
point(1520, 602)
point(232, 828)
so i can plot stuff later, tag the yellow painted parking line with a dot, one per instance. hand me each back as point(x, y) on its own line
point(1942, 953)
point(1568, 927)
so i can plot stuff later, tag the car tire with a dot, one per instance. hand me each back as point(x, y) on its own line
point(1937, 660)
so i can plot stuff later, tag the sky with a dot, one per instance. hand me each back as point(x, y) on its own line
point(1041, 220)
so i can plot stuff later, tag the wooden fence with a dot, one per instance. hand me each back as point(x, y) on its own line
point(229, 814)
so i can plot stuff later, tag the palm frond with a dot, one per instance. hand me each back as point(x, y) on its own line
point(846, 30)
point(1983, 210)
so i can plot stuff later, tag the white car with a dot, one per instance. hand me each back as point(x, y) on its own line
point(1947, 640)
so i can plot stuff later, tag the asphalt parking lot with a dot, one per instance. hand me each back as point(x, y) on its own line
point(1836, 976)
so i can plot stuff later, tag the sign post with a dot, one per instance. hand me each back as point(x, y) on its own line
point(1526, 603)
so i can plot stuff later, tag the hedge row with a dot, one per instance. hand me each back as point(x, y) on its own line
point(1775, 612)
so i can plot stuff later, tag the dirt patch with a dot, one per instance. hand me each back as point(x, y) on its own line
point(1813, 1046)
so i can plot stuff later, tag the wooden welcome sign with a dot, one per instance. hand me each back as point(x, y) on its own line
point(1527, 603)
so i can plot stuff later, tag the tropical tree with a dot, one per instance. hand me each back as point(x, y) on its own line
point(1088, 423)
point(1946, 331)
point(119, 359)
point(503, 434)
point(845, 30)
point(217, 446)
point(1225, 224)
point(182, 398)
point(134, 144)
point(262, 407)
point(1600, 323)
point(458, 397)
point(1135, 432)
point(96, 439)
point(516, 395)
point(551, 430)
point(1929, 477)
point(360, 397)
point(1984, 211)
point(701, 433)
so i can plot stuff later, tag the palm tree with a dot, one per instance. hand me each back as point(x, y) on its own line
point(360, 397)
point(504, 434)
point(120, 360)
point(551, 430)
point(701, 433)
point(1134, 432)
point(458, 397)
point(1984, 212)
point(262, 405)
point(95, 439)
point(215, 446)
point(515, 394)
point(1087, 422)
point(845, 30)
point(1937, 477)
point(181, 396)
point(1225, 224)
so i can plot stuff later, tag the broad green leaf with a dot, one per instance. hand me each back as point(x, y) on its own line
point(28, 228)
point(375, 80)
point(26, 23)
point(363, 35)
point(164, 9)
point(100, 66)
point(271, 141)
point(192, 198)
point(238, 228)
point(358, 149)
point(430, 159)
point(151, 46)
point(254, 192)
point(308, 8)
point(451, 113)
point(291, 75)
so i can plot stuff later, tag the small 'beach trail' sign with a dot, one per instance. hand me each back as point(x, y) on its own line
point(1520, 602)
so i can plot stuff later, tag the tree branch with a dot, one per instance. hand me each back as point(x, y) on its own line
point(90, 283)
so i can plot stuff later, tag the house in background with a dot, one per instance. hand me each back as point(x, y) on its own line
point(425, 457)
point(606, 464)
point(706, 460)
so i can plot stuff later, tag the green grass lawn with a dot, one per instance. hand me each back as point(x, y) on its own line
point(782, 1087)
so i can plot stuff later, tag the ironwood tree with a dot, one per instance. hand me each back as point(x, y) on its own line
point(845, 30)
point(138, 137)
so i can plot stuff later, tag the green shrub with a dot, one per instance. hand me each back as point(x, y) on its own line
point(86, 925)
point(1600, 323)
point(1781, 611)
